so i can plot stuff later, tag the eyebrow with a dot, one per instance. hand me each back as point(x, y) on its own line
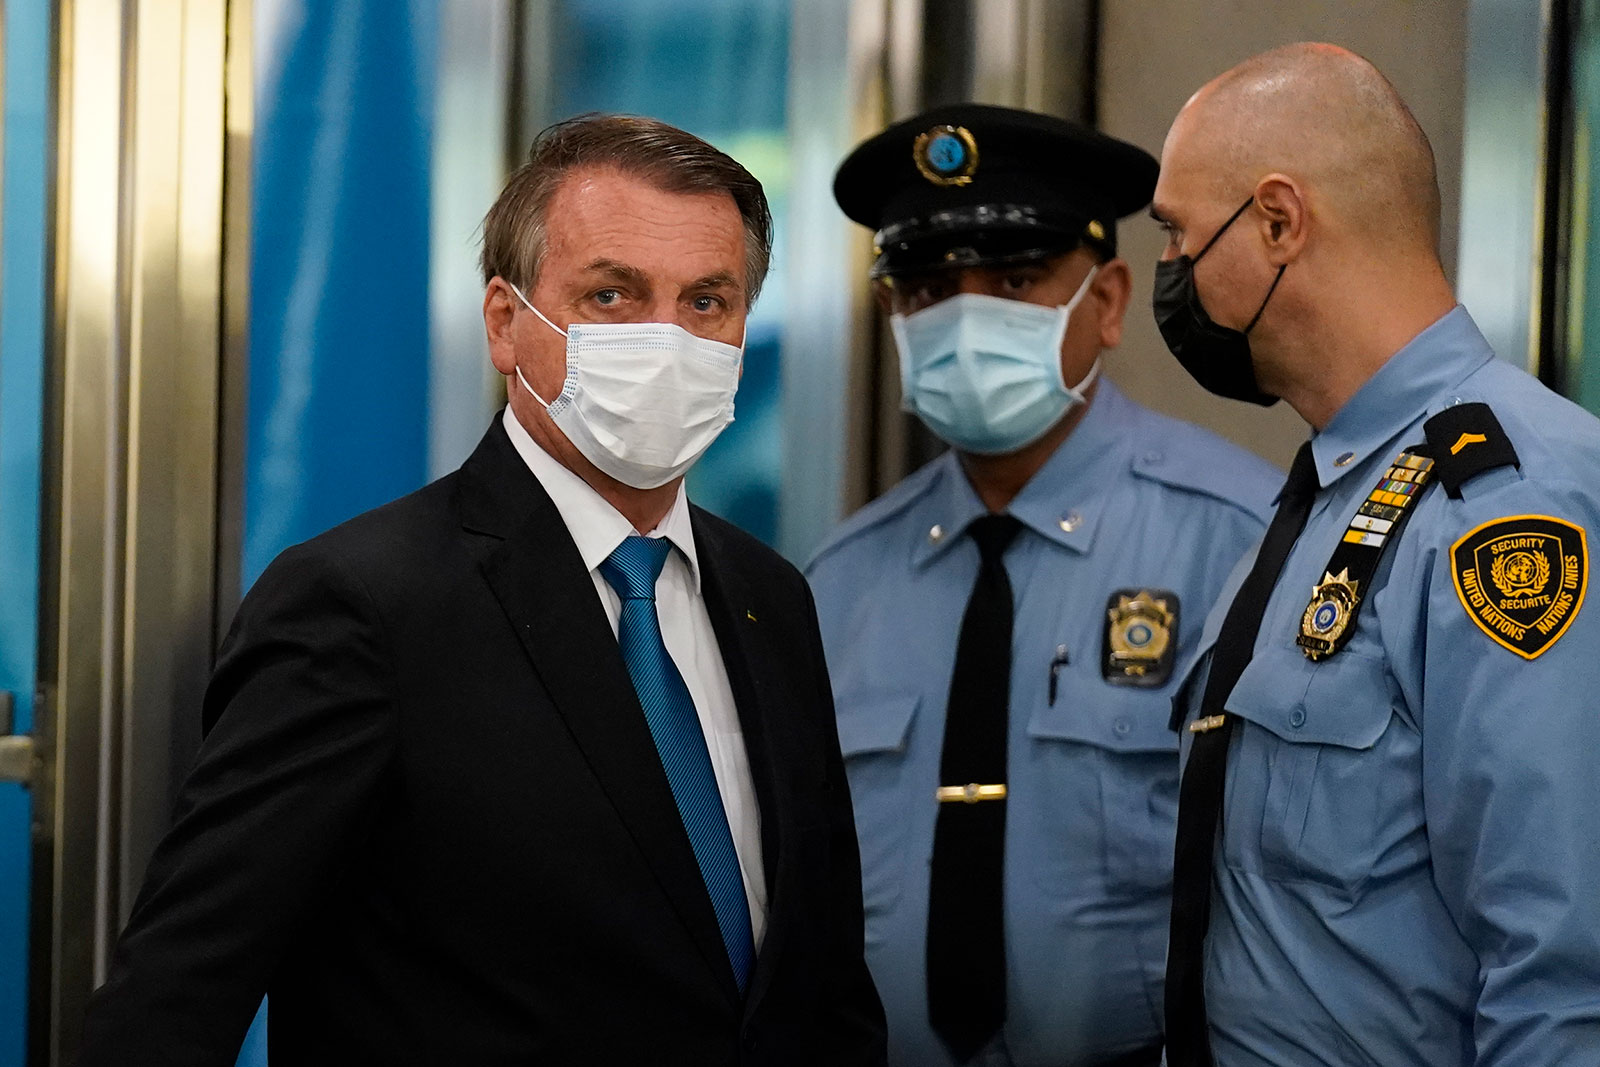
point(620, 272)
point(720, 280)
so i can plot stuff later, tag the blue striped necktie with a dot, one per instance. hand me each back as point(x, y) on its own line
point(632, 571)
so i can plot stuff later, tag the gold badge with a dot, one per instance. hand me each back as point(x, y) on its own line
point(1328, 616)
point(1140, 643)
point(946, 155)
point(1522, 579)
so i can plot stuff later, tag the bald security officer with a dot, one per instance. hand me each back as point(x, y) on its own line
point(1001, 627)
point(1394, 718)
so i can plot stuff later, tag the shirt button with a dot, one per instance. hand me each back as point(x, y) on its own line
point(1297, 718)
point(1122, 726)
point(1344, 459)
point(1071, 521)
point(936, 534)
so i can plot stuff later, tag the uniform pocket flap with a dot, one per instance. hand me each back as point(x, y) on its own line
point(1093, 713)
point(1344, 700)
point(875, 721)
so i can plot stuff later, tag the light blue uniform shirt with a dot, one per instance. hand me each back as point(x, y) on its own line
point(1409, 868)
point(1131, 500)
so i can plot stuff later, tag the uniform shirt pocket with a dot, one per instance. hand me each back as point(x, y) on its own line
point(1105, 768)
point(873, 727)
point(1310, 793)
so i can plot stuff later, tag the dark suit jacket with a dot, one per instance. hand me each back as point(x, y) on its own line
point(429, 818)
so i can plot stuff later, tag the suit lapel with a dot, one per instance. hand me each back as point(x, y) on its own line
point(548, 597)
point(735, 612)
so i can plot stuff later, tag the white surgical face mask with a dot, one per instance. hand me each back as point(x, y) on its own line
point(642, 400)
point(984, 372)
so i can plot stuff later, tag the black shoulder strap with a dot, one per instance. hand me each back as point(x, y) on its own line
point(1467, 440)
point(1330, 617)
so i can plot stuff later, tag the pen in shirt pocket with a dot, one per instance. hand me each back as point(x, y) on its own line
point(1057, 661)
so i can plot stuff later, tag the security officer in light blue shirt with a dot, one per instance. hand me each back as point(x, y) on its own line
point(1001, 628)
point(1388, 844)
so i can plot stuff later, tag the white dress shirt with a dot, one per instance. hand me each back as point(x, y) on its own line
point(598, 528)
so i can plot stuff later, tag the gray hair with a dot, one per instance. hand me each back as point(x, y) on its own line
point(669, 158)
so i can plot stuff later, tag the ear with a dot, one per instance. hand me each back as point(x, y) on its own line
point(1280, 210)
point(1112, 288)
point(499, 311)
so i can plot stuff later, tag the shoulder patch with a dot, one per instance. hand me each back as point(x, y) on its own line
point(1467, 440)
point(1522, 579)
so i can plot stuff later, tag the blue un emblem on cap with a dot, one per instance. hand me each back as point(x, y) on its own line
point(946, 155)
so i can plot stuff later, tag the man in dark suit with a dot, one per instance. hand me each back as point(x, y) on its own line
point(536, 765)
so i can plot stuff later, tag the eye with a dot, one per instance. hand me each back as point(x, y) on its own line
point(706, 304)
point(607, 297)
point(1017, 281)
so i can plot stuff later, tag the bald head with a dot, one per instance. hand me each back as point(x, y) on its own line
point(1328, 119)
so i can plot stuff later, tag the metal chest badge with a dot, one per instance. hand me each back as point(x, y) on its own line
point(946, 155)
point(1328, 616)
point(1141, 637)
point(1522, 579)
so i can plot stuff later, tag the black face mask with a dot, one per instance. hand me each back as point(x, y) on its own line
point(1218, 357)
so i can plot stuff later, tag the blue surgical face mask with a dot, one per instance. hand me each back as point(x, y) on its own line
point(984, 373)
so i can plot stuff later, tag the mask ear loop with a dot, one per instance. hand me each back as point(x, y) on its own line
point(1076, 391)
point(529, 305)
point(1224, 229)
point(1262, 309)
point(1231, 218)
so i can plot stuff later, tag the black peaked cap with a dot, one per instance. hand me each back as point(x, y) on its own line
point(973, 184)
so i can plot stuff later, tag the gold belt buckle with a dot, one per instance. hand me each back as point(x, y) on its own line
point(970, 793)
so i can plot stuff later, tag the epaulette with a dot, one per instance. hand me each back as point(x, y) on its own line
point(879, 511)
point(1212, 472)
point(1466, 440)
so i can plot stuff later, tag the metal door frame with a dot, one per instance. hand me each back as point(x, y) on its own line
point(135, 454)
point(1504, 160)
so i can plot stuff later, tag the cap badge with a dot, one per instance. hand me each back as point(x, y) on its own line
point(946, 155)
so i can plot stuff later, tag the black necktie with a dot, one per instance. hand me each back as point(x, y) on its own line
point(1204, 777)
point(966, 927)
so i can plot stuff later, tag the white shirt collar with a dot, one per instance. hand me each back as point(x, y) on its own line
point(596, 527)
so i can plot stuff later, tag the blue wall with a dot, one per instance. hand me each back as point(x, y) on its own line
point(338, 378)
point(338, 408)
point(23, 219)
